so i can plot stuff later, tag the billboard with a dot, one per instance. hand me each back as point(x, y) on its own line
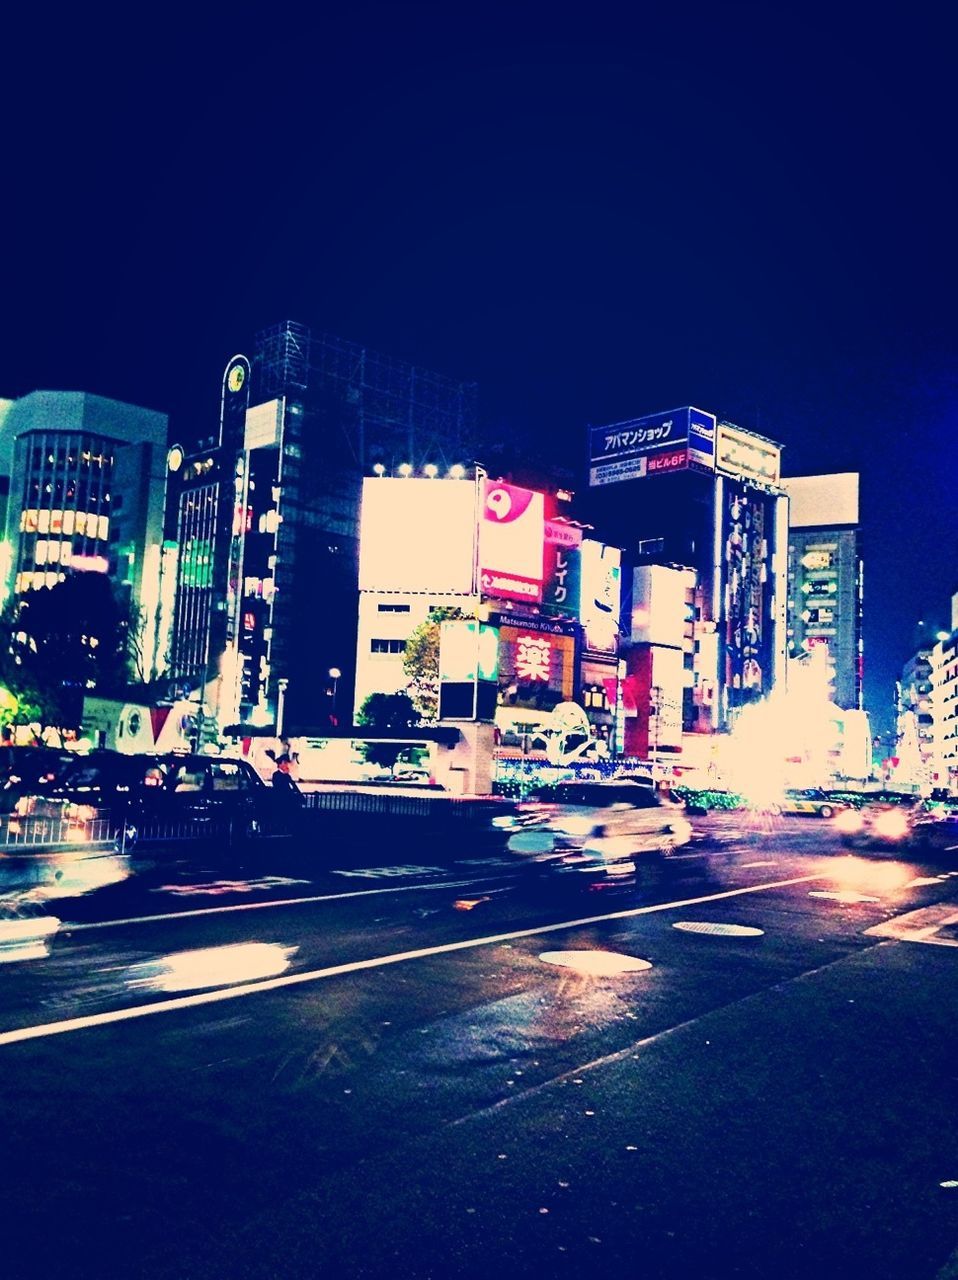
point(418, 535)
point(601, 592)
point(742, 454)
point(661, 614)
point(822, 501)
point(511, 537)
point(536, 667)
point(662, 442)
point(468, 669)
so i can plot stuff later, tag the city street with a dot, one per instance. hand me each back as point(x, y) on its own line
point(372, 1068)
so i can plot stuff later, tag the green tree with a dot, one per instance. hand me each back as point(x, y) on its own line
point(64, 641)
point(421, 661)
point(387, 712)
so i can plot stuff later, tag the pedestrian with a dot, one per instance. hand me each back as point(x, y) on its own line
point(283, 782)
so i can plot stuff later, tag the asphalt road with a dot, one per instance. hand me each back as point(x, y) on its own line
point(327, 1062)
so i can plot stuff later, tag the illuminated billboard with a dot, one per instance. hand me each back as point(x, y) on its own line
point(536, 667)
point(662, 442)
point(747, 456)
point(418, 535)
point(601, 591)
point(511, 537)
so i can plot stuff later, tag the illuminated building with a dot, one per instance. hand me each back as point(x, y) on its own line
point(915, 698)
point(502, 553)
point(944, 704)
point(702, 498)
point(85, 483)
point(267, 516)
point(825, 578)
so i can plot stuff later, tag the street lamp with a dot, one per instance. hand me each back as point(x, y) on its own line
point(334, 674)
point(281, 687)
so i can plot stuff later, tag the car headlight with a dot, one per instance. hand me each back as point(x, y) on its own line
point(849, 821)
point(892, 825)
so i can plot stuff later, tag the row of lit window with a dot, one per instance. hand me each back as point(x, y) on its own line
point(83, 523)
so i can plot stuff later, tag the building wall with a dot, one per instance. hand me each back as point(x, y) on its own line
point(87, 488)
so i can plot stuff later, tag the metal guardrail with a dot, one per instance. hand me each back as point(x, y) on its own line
point(28, 834)
point(442, 807)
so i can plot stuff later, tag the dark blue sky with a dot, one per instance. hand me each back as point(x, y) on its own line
point(594, 212)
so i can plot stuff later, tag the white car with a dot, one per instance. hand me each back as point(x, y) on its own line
point(596, 829)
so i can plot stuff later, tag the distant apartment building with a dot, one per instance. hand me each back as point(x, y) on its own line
point(825, 578)
point(83, 488)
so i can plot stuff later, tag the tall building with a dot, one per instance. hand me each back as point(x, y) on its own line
point(267, 516)
point(944, 705)
point(683, 491)
point(825, 577)
point(83, 483)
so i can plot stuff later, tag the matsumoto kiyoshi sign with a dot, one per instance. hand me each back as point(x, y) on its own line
point(672, 441)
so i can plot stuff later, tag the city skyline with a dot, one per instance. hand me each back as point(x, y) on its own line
point(593, 225)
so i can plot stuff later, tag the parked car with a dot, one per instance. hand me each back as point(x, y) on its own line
point(812, 800)
point(589, 832)
point(892, 820)
point(22, 768)
point(151, 796)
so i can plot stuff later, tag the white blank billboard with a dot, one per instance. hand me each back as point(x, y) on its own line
point(822, 501)
point(417, 535)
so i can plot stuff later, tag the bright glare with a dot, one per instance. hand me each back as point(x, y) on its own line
point(597, 964)
point(405, 469)
point(862, 873)
point(788, 739)
point(430, 470)
point(216, 966)
point(893, 824)
point(457, 471)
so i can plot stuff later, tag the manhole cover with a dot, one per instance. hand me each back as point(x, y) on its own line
point(718, 930)
point(603, 964)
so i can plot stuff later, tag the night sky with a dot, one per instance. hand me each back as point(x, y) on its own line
point(595, 212)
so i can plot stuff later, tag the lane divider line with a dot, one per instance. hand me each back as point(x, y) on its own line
point(67, 927)
point(87, 1021)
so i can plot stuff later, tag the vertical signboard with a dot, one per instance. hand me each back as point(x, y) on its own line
point(748, 534)
point(601, 593)
point(561, 576)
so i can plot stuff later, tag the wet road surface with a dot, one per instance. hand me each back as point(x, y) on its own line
point(368, 1069)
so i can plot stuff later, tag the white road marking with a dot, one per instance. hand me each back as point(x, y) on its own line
point(376, 873)
point(744, 865)
point(88, 1021)
point(920, 926)
point(262, 906)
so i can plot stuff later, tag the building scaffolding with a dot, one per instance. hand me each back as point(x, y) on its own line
point(388, 411)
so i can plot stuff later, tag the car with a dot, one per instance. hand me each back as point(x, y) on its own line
point(596, 832)
point(158, 797)
point(892, 821)
point(812, 800)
